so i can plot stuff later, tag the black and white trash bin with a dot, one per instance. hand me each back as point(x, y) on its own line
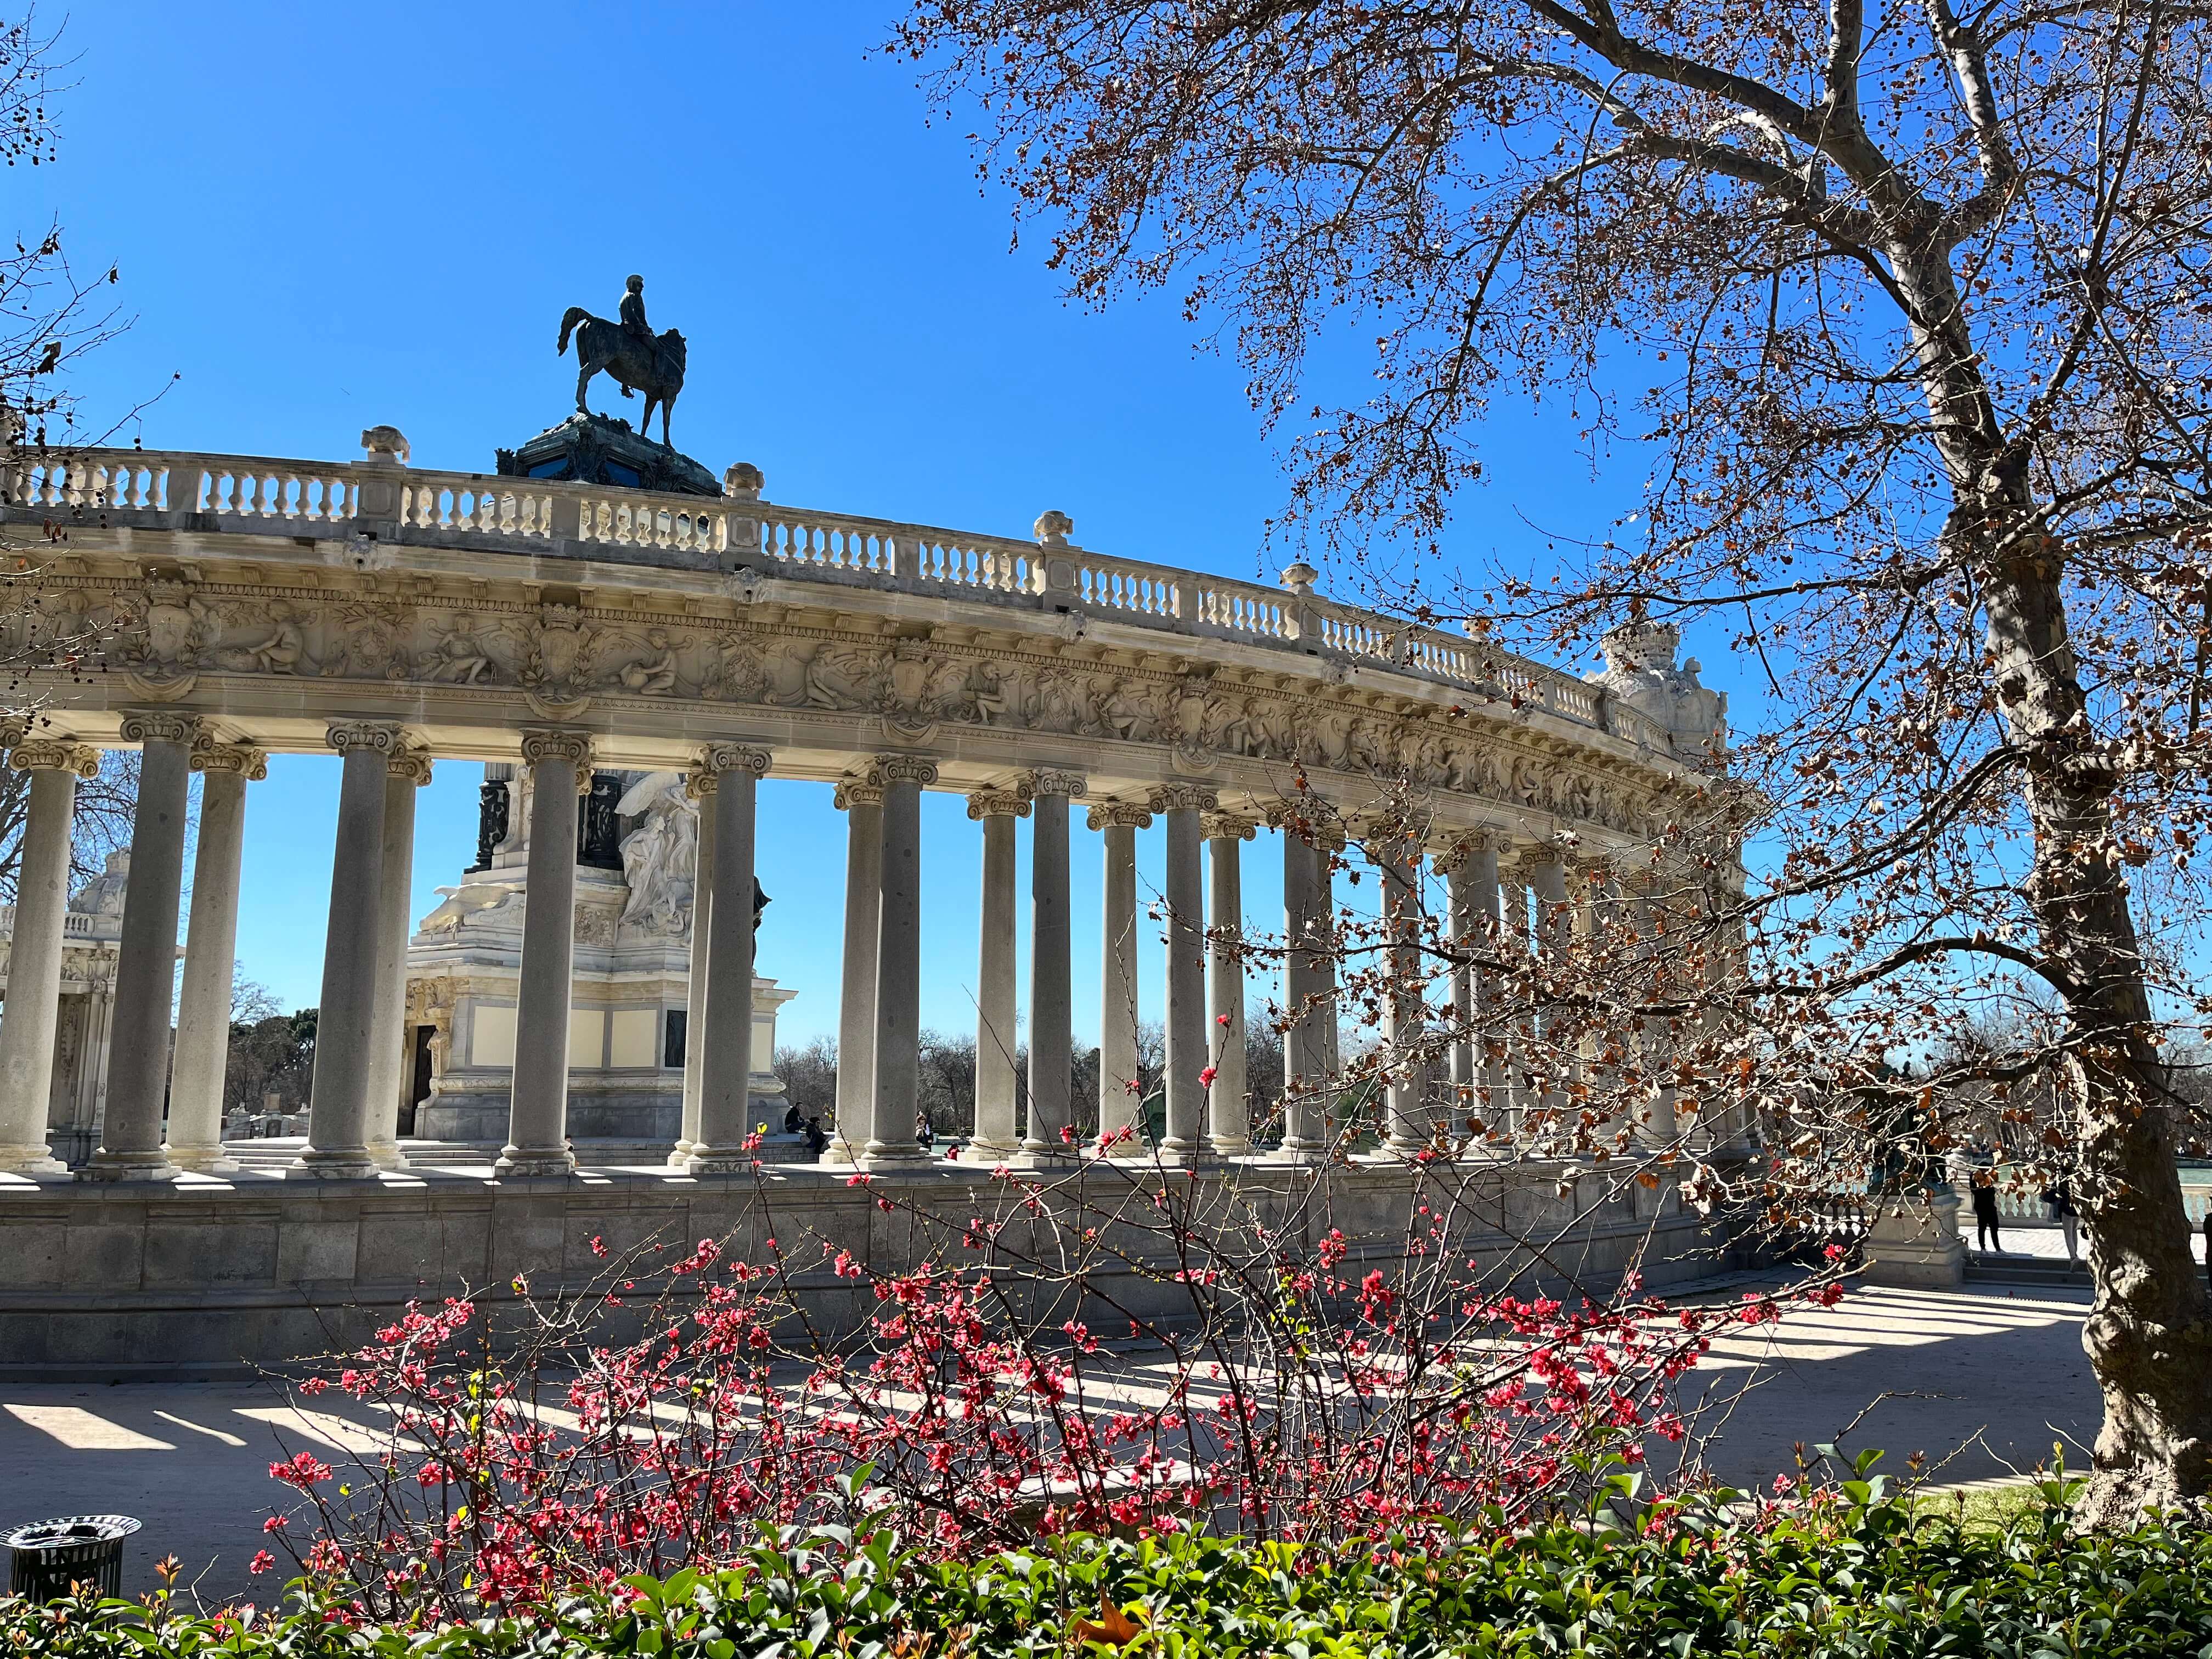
point(50, 1556)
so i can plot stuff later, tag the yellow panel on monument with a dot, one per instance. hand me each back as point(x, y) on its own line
point(638, 843)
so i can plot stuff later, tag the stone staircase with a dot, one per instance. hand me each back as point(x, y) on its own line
point(1985, 1267)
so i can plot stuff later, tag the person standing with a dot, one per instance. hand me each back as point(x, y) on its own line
point(2060, 1202)
point(1985, 1216)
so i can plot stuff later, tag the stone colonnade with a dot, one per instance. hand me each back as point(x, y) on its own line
point(352, 1127)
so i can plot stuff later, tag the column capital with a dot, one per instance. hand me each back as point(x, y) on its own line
point(1185, 798)
point(242, 759)
point(55, 754)
point(1307, 819)
point(413, 765)
point(160, 725)
point(863, 789)
point(346, 735)
point(1227, 826)
point(1120, 815)
point(558, 742)
point(1451, 854)
point(998, 803)
point(716, 758)
point(1053, 781)
point(906, 769)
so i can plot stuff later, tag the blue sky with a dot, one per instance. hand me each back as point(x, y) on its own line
point(329, 217)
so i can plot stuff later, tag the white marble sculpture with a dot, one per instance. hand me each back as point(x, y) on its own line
point(660, 857)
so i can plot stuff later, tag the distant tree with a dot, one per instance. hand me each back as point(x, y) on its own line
point(810, 1077)
point(948, 1083)
point(102, 825)
point(273, 1053)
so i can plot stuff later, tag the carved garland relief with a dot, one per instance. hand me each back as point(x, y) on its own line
point(167, 631)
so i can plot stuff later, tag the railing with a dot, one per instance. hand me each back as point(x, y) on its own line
point(76, 924)
point(251, 493)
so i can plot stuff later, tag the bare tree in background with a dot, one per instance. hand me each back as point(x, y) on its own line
point(101, 825)
point(1907, 309)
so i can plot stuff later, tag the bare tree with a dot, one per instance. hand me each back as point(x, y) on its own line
point(1907, 307)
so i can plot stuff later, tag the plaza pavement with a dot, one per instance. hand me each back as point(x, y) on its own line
point(1981, 1380)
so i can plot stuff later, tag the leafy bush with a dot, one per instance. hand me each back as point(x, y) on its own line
point(1851, 1572)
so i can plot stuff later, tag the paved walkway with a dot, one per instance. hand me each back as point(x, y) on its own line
point(1981, 1380)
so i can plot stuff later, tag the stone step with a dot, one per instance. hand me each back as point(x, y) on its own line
point(1987, 1269)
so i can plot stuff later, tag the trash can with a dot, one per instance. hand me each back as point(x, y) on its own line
point(78, 1549)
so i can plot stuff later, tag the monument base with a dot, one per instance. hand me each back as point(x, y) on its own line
point(601, 449)
point(1914, 1242)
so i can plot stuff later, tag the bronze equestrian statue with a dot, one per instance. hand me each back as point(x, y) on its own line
point(628, 352)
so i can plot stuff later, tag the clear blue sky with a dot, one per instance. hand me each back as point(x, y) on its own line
point(328, 217)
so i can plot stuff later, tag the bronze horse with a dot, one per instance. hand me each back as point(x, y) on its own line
point(656, 370)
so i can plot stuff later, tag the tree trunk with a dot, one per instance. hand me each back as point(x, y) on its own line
point(2147, 1336)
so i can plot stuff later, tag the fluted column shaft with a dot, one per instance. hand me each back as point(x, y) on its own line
point(538, 1105)
point(31, 1013)
point(1305, 1126)
point(210, 954)
point(701, 787)
point(338, 1103)
point(898, 963)
point(1228, 1111)
point(726, 1084)
point(997, 1134)
point(405, 772)
point(1121, 1091)
point(146, 968)
point(862, 802)
point(1408, 1127)
point(1050, 1133)
point(1189, 1056)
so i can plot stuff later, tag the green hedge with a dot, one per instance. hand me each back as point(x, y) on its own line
point(1869, 1575)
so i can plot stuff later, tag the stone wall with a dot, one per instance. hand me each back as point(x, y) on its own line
point(216, 1279)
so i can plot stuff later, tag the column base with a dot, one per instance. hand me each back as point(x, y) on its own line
point(336, 1164)
point(704, 1160)
point(839, 1153)
point(1039, 1156)
point(1299, 1152)
point(203, 1160)
point(36, 1160)
point(1177, 1152)
point(1228, 1145)
point(877, 1153)
point(994, 1151)
point(520, 1162)
point(679, 1155)
point(127, 1166)
point(390, 1159)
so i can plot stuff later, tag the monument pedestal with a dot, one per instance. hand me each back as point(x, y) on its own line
point(601, 449)
point(1914, 1241)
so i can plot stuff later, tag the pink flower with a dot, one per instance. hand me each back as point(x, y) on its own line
point(262, 1562)
point(1205, 1078)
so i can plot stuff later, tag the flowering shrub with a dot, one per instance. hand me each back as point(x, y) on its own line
point(1848, 1571)
point(1307, 1394)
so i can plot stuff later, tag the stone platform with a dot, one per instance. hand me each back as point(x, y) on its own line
point(213, 1277)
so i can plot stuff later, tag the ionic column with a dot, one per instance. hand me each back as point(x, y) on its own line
point(1228, 1112)
point(699, 787)
point(1408, 1128)
point(1120, 1092)
point(1304, 1123)
point(1329, 841)
point(1660, 1126)
point(405, 771)
point(1189, 1054)
point(898, 963)
point(1049, 1132)
point(861, 799)
point(210, 953)
point(338, 1099)
point(146, 968)
point(1471, 870)
point(537, 1103)
point(726, 1042)
point(29, 1017)
point(997, 1134)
